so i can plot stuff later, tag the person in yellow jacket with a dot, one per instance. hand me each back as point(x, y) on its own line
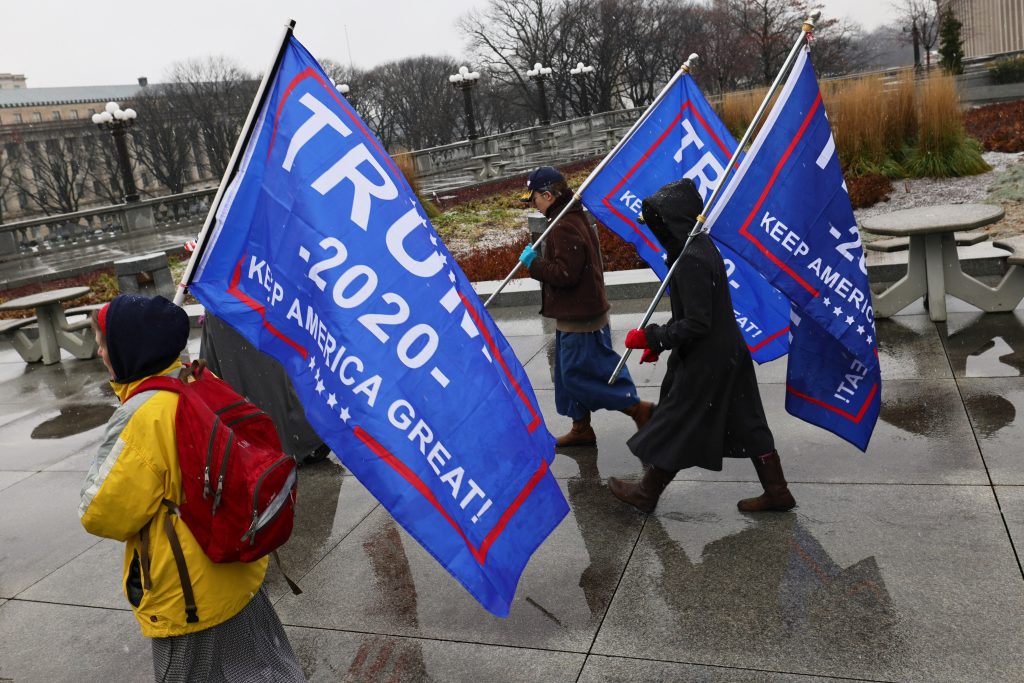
point(238, 635)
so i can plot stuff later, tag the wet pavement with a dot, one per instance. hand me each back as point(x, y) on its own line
point(898, 565)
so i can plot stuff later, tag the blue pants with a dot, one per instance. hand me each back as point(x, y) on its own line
point(583, 363)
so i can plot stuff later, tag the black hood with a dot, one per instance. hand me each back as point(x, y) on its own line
point(144, 335)
point(671, 213)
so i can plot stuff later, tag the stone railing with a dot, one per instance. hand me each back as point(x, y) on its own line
point(51, 233)
point(468, 162)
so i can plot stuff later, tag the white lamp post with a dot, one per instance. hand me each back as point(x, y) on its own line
point(540, 74)
point(464, 81)
point(582, 70)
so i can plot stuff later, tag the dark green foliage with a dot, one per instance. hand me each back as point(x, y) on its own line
point(951, 44)
point(1009, 70)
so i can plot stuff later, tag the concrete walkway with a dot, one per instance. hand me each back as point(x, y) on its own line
point(898, 565)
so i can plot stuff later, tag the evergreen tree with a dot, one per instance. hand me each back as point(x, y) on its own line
point(951, 44)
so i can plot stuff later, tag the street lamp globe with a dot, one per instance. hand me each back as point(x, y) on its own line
point(539, 73)
point(342, 88)
point(464, 80)
point(117, 121)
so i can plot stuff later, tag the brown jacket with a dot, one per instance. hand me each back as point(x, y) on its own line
point(572, 282)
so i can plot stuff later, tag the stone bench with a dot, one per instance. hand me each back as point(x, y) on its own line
point(148, 275)
point(22, 333)
point(891, 244)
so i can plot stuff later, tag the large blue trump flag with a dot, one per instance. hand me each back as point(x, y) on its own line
point(322, 257)
point(787, 213)
point(682, 136)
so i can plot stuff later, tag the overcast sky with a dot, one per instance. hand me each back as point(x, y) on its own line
point(63, 43)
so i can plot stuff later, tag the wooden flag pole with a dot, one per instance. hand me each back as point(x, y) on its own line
point(577, 195)
point(232, 169)
point(698, 227)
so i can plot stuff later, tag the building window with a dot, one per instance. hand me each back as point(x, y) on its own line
point(17, 118)
point(74, 113)
point(36, 117)
point(91, 111)
point(55, 115)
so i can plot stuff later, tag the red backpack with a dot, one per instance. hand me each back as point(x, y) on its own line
point(238, 486)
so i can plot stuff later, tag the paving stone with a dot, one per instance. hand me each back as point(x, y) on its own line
point(996, 409)
point(338, 655)
point(868, 582)
point(39, 529)
point(600, 669)
point(379, 580)
point(985, 345)
point(82, 644)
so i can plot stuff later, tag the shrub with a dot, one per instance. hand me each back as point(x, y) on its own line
point(1008, 70)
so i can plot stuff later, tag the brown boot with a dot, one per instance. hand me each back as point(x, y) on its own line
point(581, 434)
point(776, 496)
point(640, 412)
point(644, 494)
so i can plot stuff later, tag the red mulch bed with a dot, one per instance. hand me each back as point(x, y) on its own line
point(868, 190)
point(999, 127)
point(97, 296)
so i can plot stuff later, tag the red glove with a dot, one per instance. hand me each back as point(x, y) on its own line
point(636, 339)
point(649, 357)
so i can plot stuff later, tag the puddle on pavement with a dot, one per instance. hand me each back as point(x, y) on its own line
point(73, 419)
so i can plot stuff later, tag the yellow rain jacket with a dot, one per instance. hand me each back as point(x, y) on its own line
point(135, 469)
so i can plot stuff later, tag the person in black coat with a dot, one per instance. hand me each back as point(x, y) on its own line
point(710, 407)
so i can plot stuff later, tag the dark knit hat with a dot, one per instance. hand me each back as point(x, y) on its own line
point(144, 335)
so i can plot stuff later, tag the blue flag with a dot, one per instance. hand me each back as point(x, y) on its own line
point(787, 213)
point(323, 258)
point(683, 137)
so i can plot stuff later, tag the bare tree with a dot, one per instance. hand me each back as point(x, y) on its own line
point(509, 36)
point(58, 171)
point(216, 94)
point(722, 67)
point(768, 27)
point(920, 18)
point(163, 136)
point(427, 111)
point(8, 158)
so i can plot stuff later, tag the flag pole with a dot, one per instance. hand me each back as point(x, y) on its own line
point(577, 195)
point(232, 169)
point(698, 227)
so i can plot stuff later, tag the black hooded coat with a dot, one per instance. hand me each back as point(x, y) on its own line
point(710, 406)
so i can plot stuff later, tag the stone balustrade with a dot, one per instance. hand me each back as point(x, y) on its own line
point(52, 233)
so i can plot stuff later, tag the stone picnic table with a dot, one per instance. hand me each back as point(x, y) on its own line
point(54, 331)
point(933, 264)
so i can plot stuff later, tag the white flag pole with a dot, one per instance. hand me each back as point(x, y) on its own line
point(577, 195)
point(805, 31)
point(232, 169)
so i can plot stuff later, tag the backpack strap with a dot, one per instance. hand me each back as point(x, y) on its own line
point(158, 383)
point(191, 613)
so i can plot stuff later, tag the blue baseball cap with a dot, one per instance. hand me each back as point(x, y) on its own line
point(541, 179)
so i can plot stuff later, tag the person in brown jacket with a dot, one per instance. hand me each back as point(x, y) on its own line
point(572, 293)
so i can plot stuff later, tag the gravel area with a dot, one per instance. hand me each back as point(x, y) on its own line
point(1004, 185)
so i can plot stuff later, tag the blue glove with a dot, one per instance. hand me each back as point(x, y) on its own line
point(528, 255)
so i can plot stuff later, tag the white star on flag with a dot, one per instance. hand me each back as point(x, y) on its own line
point(838, 311)
point(869, 339)
point(826, 301)
point(849, 320)
point(344, 415)
point(312, 362)
point(433, 240)
point(860, 329)
point(331, 401)
point(319, 387)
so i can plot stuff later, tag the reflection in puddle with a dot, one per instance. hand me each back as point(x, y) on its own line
point(990, 412)
point(994, 353)
point(73, 419)
point(773, 587)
